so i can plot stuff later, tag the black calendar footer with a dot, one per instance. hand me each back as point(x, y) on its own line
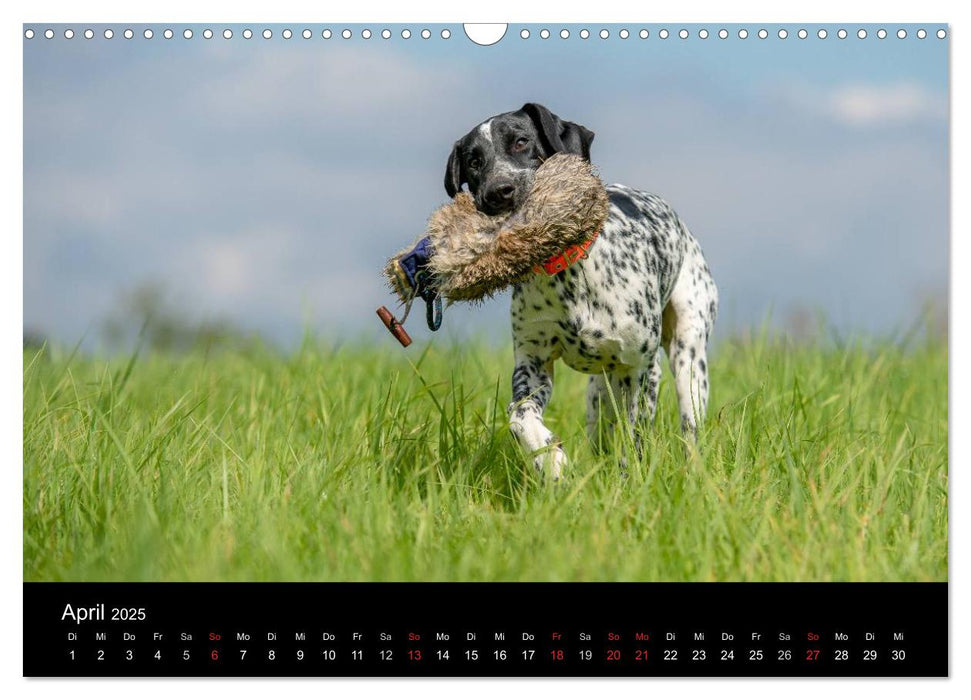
point(485, 629)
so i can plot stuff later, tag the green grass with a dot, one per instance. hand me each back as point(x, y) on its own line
point(366, 462)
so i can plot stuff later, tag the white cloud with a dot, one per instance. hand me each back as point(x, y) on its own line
point(872, 105)
point(867, 105)
point(337, 89)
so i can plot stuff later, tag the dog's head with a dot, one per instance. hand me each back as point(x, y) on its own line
point(498, 158)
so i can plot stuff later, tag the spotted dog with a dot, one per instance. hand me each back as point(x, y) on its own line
point(643, 284)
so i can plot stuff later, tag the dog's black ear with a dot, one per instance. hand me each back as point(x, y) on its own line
point(453, 172)
point(578, 139)
point(558, 135)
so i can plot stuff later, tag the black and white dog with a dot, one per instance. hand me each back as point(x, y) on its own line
point(644, 283)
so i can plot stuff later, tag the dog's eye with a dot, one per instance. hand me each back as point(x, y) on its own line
point(474, 163)
point(520, 144)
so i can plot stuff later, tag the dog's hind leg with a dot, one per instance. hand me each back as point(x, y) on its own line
point(532, 387)
point(614, 399)
point(687, 323)
point(600, 423)
point(643, 419)
point(650, 381)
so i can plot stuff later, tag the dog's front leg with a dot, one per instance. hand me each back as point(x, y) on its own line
point(532, 387)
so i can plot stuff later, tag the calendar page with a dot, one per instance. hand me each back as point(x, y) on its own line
point(657, 383)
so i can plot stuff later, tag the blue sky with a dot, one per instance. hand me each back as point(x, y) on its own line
point(266, 181)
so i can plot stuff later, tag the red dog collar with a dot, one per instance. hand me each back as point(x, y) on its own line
point(569, 256)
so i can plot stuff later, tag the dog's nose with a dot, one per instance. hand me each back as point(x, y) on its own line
point(500, 195)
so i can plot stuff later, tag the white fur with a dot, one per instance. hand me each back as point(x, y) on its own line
point(485, 130)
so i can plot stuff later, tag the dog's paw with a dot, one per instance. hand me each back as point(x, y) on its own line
point(552, 462)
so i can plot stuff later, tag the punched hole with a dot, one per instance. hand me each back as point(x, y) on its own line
point(486, 34)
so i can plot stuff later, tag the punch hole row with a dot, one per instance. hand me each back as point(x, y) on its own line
point(723, 33)
point(245, 34)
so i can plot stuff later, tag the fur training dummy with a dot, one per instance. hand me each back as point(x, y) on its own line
point(466, 255)
point(474, 255)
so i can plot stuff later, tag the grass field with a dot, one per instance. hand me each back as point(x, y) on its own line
point(372, 463)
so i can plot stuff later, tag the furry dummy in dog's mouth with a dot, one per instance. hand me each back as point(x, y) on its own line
point(466, 255)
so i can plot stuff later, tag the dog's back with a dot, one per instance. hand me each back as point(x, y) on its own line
point(605, 311)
